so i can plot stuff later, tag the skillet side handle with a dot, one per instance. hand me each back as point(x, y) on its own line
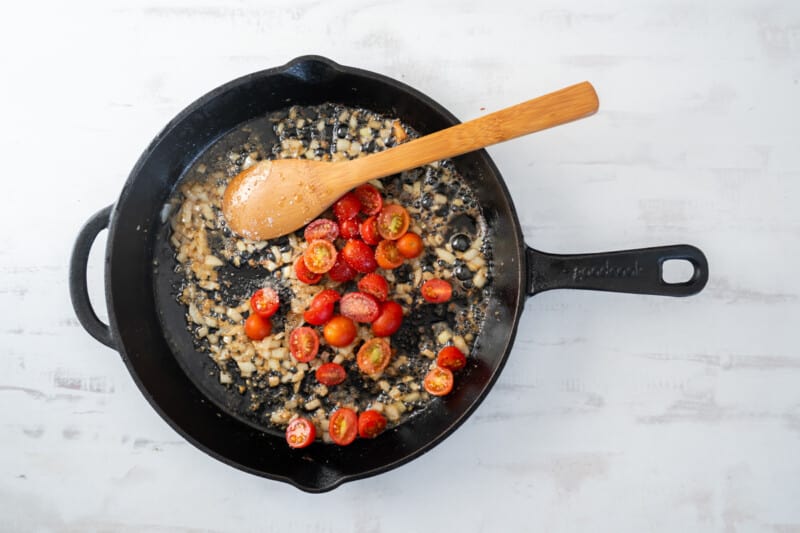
point(631, 271)
point(78, 290)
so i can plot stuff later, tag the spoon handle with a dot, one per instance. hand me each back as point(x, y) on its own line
point(553, 109)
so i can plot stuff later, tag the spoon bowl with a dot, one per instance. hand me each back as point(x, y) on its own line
point(273, 198)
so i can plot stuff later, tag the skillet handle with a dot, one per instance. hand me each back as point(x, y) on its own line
point(78, 289)
point(632, 271)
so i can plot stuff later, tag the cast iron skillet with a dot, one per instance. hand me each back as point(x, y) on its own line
point(148, 327)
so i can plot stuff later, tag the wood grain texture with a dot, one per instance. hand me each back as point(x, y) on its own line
point(626, 413)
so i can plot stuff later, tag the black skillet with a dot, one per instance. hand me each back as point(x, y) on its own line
point(148, 327)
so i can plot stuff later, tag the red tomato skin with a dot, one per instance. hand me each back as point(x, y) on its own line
point(376, 285)
point(370, 424)
point(360, 306)
point(438, 381)
point(410, 245)
point(340, 331)
point(256, 327)
point(321, 308)
point(369, 231)
point(370, 199)
point(359, 256)
point(304, 274)
point(265, 302)
point(451, 358)
point(331, 374)
point(300, 433)
point(347, 207)
point(349, 228)
point(341, 271)
point(322, 228)
point(343, 426)
point(319, 314)
point(389, 320)
point(436, 291)
point(298, 340)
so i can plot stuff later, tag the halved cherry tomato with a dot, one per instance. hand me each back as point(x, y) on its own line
point(373, 357)
point(322, 228)
point(300, 433)
point(320, 256)
point(410, 245)
point(436, 291)
point(256, 327)
point(451, 358)
point(341, 271)
point(359, 256)
point(343, 426)
point(304, 274)
point(370, 424)
point(369, 231)
point(321, 308)
point(438, 381)
point(349, 228)
point(331, 374)
point(387, 255)
point(304, 344)
point(360, 307)
point(374, 284)
point(347, 207)
point(265, 302)
point(370, 198)
point(393, 221)
point(389, 320)
point(339, 331)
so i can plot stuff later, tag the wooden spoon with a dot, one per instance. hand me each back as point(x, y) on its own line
point(273, 198)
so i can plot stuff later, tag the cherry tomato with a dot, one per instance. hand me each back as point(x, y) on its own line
point(370, 424)
point(370, 198)
point(389, 320)
point(349, 228)
point(347, 207)
point(438, 381)
point(359, 256)
point(369, 231)
point(304, 274)
point(300, 433)
point(374, 284)
point(387, 255)
point(341, 271)
point(360, 307)
point(451, 358)
point(373, 357)
point(410, 245)
point(256, 327)
point(436, 291)
point(320, 256)
point(304, 344)
point(393, 221)
point(322, 228)
point(343, 426)
point(331, 374)
point(321, 308)
point(326, 297)
point(339, 331)
point(264, 302)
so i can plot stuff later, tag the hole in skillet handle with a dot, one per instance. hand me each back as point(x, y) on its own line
point(639, 271)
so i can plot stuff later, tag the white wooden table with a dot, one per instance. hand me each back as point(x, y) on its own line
point(615, 412)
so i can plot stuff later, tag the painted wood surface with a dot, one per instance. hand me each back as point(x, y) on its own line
point(615, 412)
